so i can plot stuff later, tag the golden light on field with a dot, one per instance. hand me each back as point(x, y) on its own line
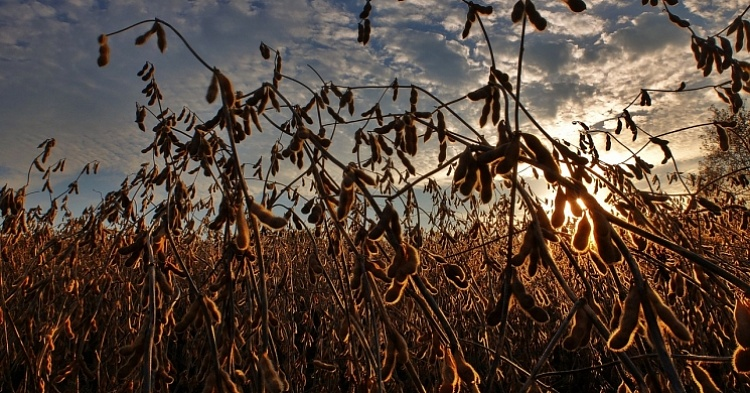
point(329, 196)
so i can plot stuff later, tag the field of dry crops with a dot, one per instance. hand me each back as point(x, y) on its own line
point(369, 276)
point(94, 306)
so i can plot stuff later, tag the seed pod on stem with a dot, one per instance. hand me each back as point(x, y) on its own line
point(621, 338)
point(667, 316)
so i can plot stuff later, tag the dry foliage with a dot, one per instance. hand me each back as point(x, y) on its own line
point(334, 282)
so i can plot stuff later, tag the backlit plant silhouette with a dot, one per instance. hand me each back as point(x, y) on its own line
point(364, 273)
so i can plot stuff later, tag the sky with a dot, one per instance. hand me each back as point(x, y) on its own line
point(585, 67)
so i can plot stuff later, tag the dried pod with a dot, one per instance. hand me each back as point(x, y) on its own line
point(603, 238)
point(364, 177)
point(493, 155)
point(402, 349)
point(319, 364)
point(412, 262)
point(270, 375)
point(704, 381)
point(243, 230)
point(213, 310)
point(525, 300)
point(543, 156)
point(536, 19)
point(558, 214)
point(465, 370)
point(517, 13)
point(103, 58)
point(467, 26)
point(529, 242)
point(456, 275)
point(580, 332)
point(470, 181)
point(741, 360)
point(666, 315)
point(742, 322)
point(227, 91)
point(346, 195)
point(538, 314)
point(485, 182)
point(601, 267)
point(389, 361)
point(575, 5)
point(511, 158)
point(621, 338)
point(213, 90)
point(449, 375)
point(581, 237)
point(462, 167)
point(161, 37)
point(710, 206)
point(480, 94)
point(266, 217)
point(265, 51)
point(394, 292)
point(163, 283)
point(723, 137)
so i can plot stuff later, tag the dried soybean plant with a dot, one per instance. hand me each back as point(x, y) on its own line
point(364, 274)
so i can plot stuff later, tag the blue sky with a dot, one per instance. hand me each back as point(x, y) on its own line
point(584, 67)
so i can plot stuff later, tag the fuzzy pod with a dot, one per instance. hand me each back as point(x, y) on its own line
point(581, 237)
point(213, 310)
point(511, 157)
point(529, 242)
point(517, 13)
point(395, 292)
point(580, 332)
point(603, 238)
point(242, 239)
point(456, 275)
point(742, 322)
point(621, 338)
point(481, 93)
point(449, 375)
point(538, 314)
point(667, 316)
point(599, 264)
point(161, 37)
point(103, 58)
point(542, 155)
point(462, 167)
point(558, 214)
point(741, 360)
point(266, 217)
point(402, 349)
point(465, 370)
point(270, 375)
point(701, 378)
point(575, 5)
point(213, 89)
point(470, 181)
point(486, 184)
point(493, 155)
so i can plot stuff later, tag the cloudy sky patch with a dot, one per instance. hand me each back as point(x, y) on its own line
point(585, 67)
